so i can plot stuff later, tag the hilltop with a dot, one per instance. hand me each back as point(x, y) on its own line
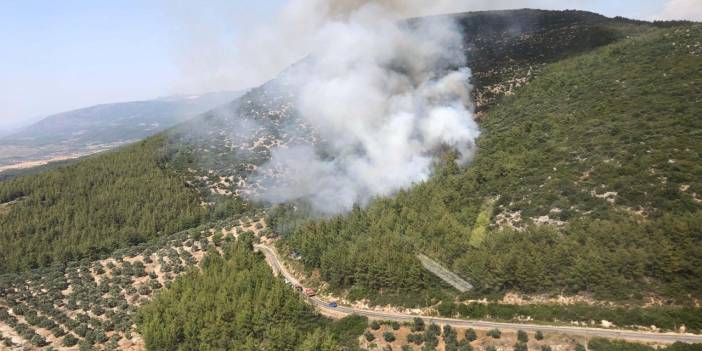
point(505, 50)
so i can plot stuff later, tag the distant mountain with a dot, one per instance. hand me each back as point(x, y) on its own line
point(87, 130)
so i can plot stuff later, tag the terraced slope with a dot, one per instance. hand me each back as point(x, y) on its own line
point(93, 304)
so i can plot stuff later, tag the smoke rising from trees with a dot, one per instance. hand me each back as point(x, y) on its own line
point(384, 95)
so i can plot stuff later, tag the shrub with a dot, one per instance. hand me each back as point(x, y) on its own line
point(389, 336)
point(464, 345)
point(375, 325)
point(494, 333)
point(57, 331)
point(18, 310)
point(69, 340)
point(539, 335)
point(395, 325)
point(430, 335)
point(83, 318)
point(447, 308)
point(522, 336)
point(100, 336)
point(81, 330)
point(450, 337)
point(470, 334)
point(7, 342)
point(415, 338)
point(434, 329)
point(521, 346)
point(98, 310)
point(144, 290)
point(38, 340)
point(369, 336)
point(85, 345)
point(418, 324)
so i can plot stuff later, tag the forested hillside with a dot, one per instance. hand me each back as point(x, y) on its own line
point(234, 302)
point(587, 180)
point(93, 207)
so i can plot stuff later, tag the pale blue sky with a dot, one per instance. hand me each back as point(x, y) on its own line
point(60, 55)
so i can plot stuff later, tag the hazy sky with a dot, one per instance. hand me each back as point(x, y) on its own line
point(60, 55)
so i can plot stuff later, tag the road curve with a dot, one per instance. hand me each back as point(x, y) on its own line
point(278, 268)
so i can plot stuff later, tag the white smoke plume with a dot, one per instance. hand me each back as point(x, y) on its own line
point(384, 95)
point(209, 58)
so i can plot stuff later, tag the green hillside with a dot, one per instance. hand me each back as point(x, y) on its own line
point(594, 170)
point(93, 207)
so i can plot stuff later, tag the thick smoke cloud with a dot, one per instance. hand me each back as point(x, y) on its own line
point(211, 58)
point(384, 96)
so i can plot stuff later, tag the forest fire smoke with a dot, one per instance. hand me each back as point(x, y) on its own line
point(384, 95)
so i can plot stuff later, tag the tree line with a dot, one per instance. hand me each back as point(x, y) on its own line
point(93, 207)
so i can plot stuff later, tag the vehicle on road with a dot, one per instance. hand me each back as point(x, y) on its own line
point(332, 304)
point(310, 292)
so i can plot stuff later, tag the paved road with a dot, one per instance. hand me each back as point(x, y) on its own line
point(278, 268)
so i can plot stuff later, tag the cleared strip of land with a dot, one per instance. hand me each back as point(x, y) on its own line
point(445, 275)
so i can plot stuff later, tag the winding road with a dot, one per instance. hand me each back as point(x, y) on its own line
point(278, 268)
